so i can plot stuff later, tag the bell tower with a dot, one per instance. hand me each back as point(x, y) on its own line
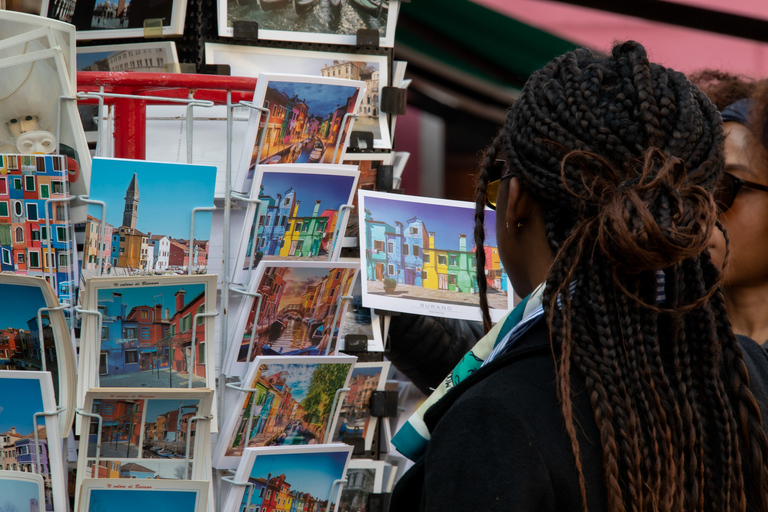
point(131, 212)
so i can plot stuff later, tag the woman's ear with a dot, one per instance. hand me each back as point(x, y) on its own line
point(518, 205)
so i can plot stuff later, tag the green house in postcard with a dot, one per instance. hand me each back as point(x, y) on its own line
point(460, 268)
point(304, 235)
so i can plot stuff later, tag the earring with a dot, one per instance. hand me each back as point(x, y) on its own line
point(519, 225)
point(507, 226)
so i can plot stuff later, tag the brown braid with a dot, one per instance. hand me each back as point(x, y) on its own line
point(622, 155)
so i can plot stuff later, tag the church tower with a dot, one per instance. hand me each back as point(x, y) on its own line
point(131, 212)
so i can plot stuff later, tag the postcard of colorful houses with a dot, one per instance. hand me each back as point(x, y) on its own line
point(417, 255)
point(295, 403)
point(307, 122)
point(150, 336)
point(147, 225)
point(355, 420)
point(104, 495)
point(313, 22)
point(300, 216)
point(33, 83)
point(358, 321)
point(372, 69)
point(297, 314)
point(364, 477)
point(35, 229)
point(289, 478)
point(146, 435)
point(29, 342)
point(29, 393)
point(368, 164)
point(22, 491)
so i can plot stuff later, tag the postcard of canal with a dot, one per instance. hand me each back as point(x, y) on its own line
point(309, 121)
point(293, 404)
point(418, 256)
point(298, 313)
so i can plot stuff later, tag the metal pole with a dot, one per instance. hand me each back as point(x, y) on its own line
point(336, 402)
point(341, 133)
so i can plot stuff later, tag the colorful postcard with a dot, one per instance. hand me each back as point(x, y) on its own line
point(154, 57)
point(306, 122)
point(296, 315)
point(104, 495)
point(293, 405)
point(36, 236)
point(146, 435)
point(300, 216)
point(21, 30)
point(359, 320)
point(32, 84)
point(312, 21)
point(368, 164)
point(364, 477)
point(104, 19)
point(418, 256)
point(148, 217)
point(355, 420)
point(298, 478)
point(30, 393)
point(21, 491)
point(372, 69)
point(22, 347)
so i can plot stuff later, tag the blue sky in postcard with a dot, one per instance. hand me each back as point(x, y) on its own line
point(17, 493)
point(365, 371)
point(158, 407)
point(86, 59)
point(332, 191)
point(26, 301)
point(17, 408)
point(298, 377)
point(167, 194)
point(151, 295)
point(321, 99)
point(446, 222)
point(306, 472)
point(131, 500)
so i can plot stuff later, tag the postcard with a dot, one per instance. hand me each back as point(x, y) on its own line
point(153, 57)
point(32, 392)
point(418, 256)
point(23, 348)
point(355, 420)
point(372, 69)
point(146, 434)
point(300, 477)
point(33, 83)
point(104, 495)
point(293, 405)
point(300, 216)
point(299, 305)
point(21, 491)
point(148, 216)
point(307, 122)
point(368, 164)
point(364, 477)
point(104, 19)
point(34, 33)
point(29, 7)
point(359, 321)
point(311, 21)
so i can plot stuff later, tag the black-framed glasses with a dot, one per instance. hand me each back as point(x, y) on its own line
point(729, 186)
point(499, 171)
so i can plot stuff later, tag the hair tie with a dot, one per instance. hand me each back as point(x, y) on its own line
point(740, 111)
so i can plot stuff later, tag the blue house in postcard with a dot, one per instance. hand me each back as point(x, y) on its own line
point(415, 239)
point(395, 267)
point(257, 496)
point(376, 247)
point(119, 341)
point(274, 220)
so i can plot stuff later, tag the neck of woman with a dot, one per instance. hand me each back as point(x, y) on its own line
point(748, 310)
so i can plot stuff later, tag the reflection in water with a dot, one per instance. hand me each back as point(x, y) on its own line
point(321, 18)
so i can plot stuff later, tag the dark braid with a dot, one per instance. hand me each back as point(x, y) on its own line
point(622, 155)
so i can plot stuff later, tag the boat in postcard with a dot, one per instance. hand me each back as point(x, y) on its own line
point(317, 152)
point(271, 5)
point(302, 6)
point(371, 7)
point(335, 5)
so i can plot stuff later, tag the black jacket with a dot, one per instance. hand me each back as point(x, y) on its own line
point(499, 444)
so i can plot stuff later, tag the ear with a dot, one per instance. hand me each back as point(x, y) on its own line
point(519, 204)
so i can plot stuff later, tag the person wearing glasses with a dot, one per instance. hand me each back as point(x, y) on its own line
point(743, 200)
point(617, 383)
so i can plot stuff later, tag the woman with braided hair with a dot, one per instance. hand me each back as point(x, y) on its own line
point(617, 384)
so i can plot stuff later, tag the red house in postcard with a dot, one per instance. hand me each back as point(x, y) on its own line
point(153, 327)
point(181, 331)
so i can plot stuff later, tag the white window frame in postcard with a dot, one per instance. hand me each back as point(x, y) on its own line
point(186, 320)
point(406, 249)
point(32, 255)
point(390, 247)
point(3, 185)
point(444, 259)
point(7, 257)
point(61, 234)
point(50, 259)
point(63, 259)
point(20, 260)
point(135, 353)
point(416, 250)
point(18, 183)
point(390, 269)
point(57, 187)
point(18, 208)
point(7, 209)
point(26, 183)
point(18, 239)
point(34, 208)
point(45, 191)
point(44, 233)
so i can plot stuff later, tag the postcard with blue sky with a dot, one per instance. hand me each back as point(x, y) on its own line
point(372, 69)
point(149, 210)
point(21, 491)
point(307, 122)
point(291, 475)
point(293, 405)
point(417, 255)
point(300, 215)
point(298, 313)
point(105, 495)
point(355, 420)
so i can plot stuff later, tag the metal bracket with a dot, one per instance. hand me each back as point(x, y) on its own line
point(336, 402)
point(367, 37)
point(49, 241)
point(335, 318)
point(192, 233)
point(192, 342)
point(58, 411)
point(260, 298)
point(40, 329)
point(249, 423)
point(332, 496)
point(245, 30)
point(100, 236)
point(394, 100)
point(342, 129)
point(231, 480)
point(189, 441)
point(100, 420)
point(263, 137)
point(337, 227)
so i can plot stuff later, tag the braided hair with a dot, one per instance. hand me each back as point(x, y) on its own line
point(623, 155)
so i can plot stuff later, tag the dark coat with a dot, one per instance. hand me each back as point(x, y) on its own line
point(499, 443)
